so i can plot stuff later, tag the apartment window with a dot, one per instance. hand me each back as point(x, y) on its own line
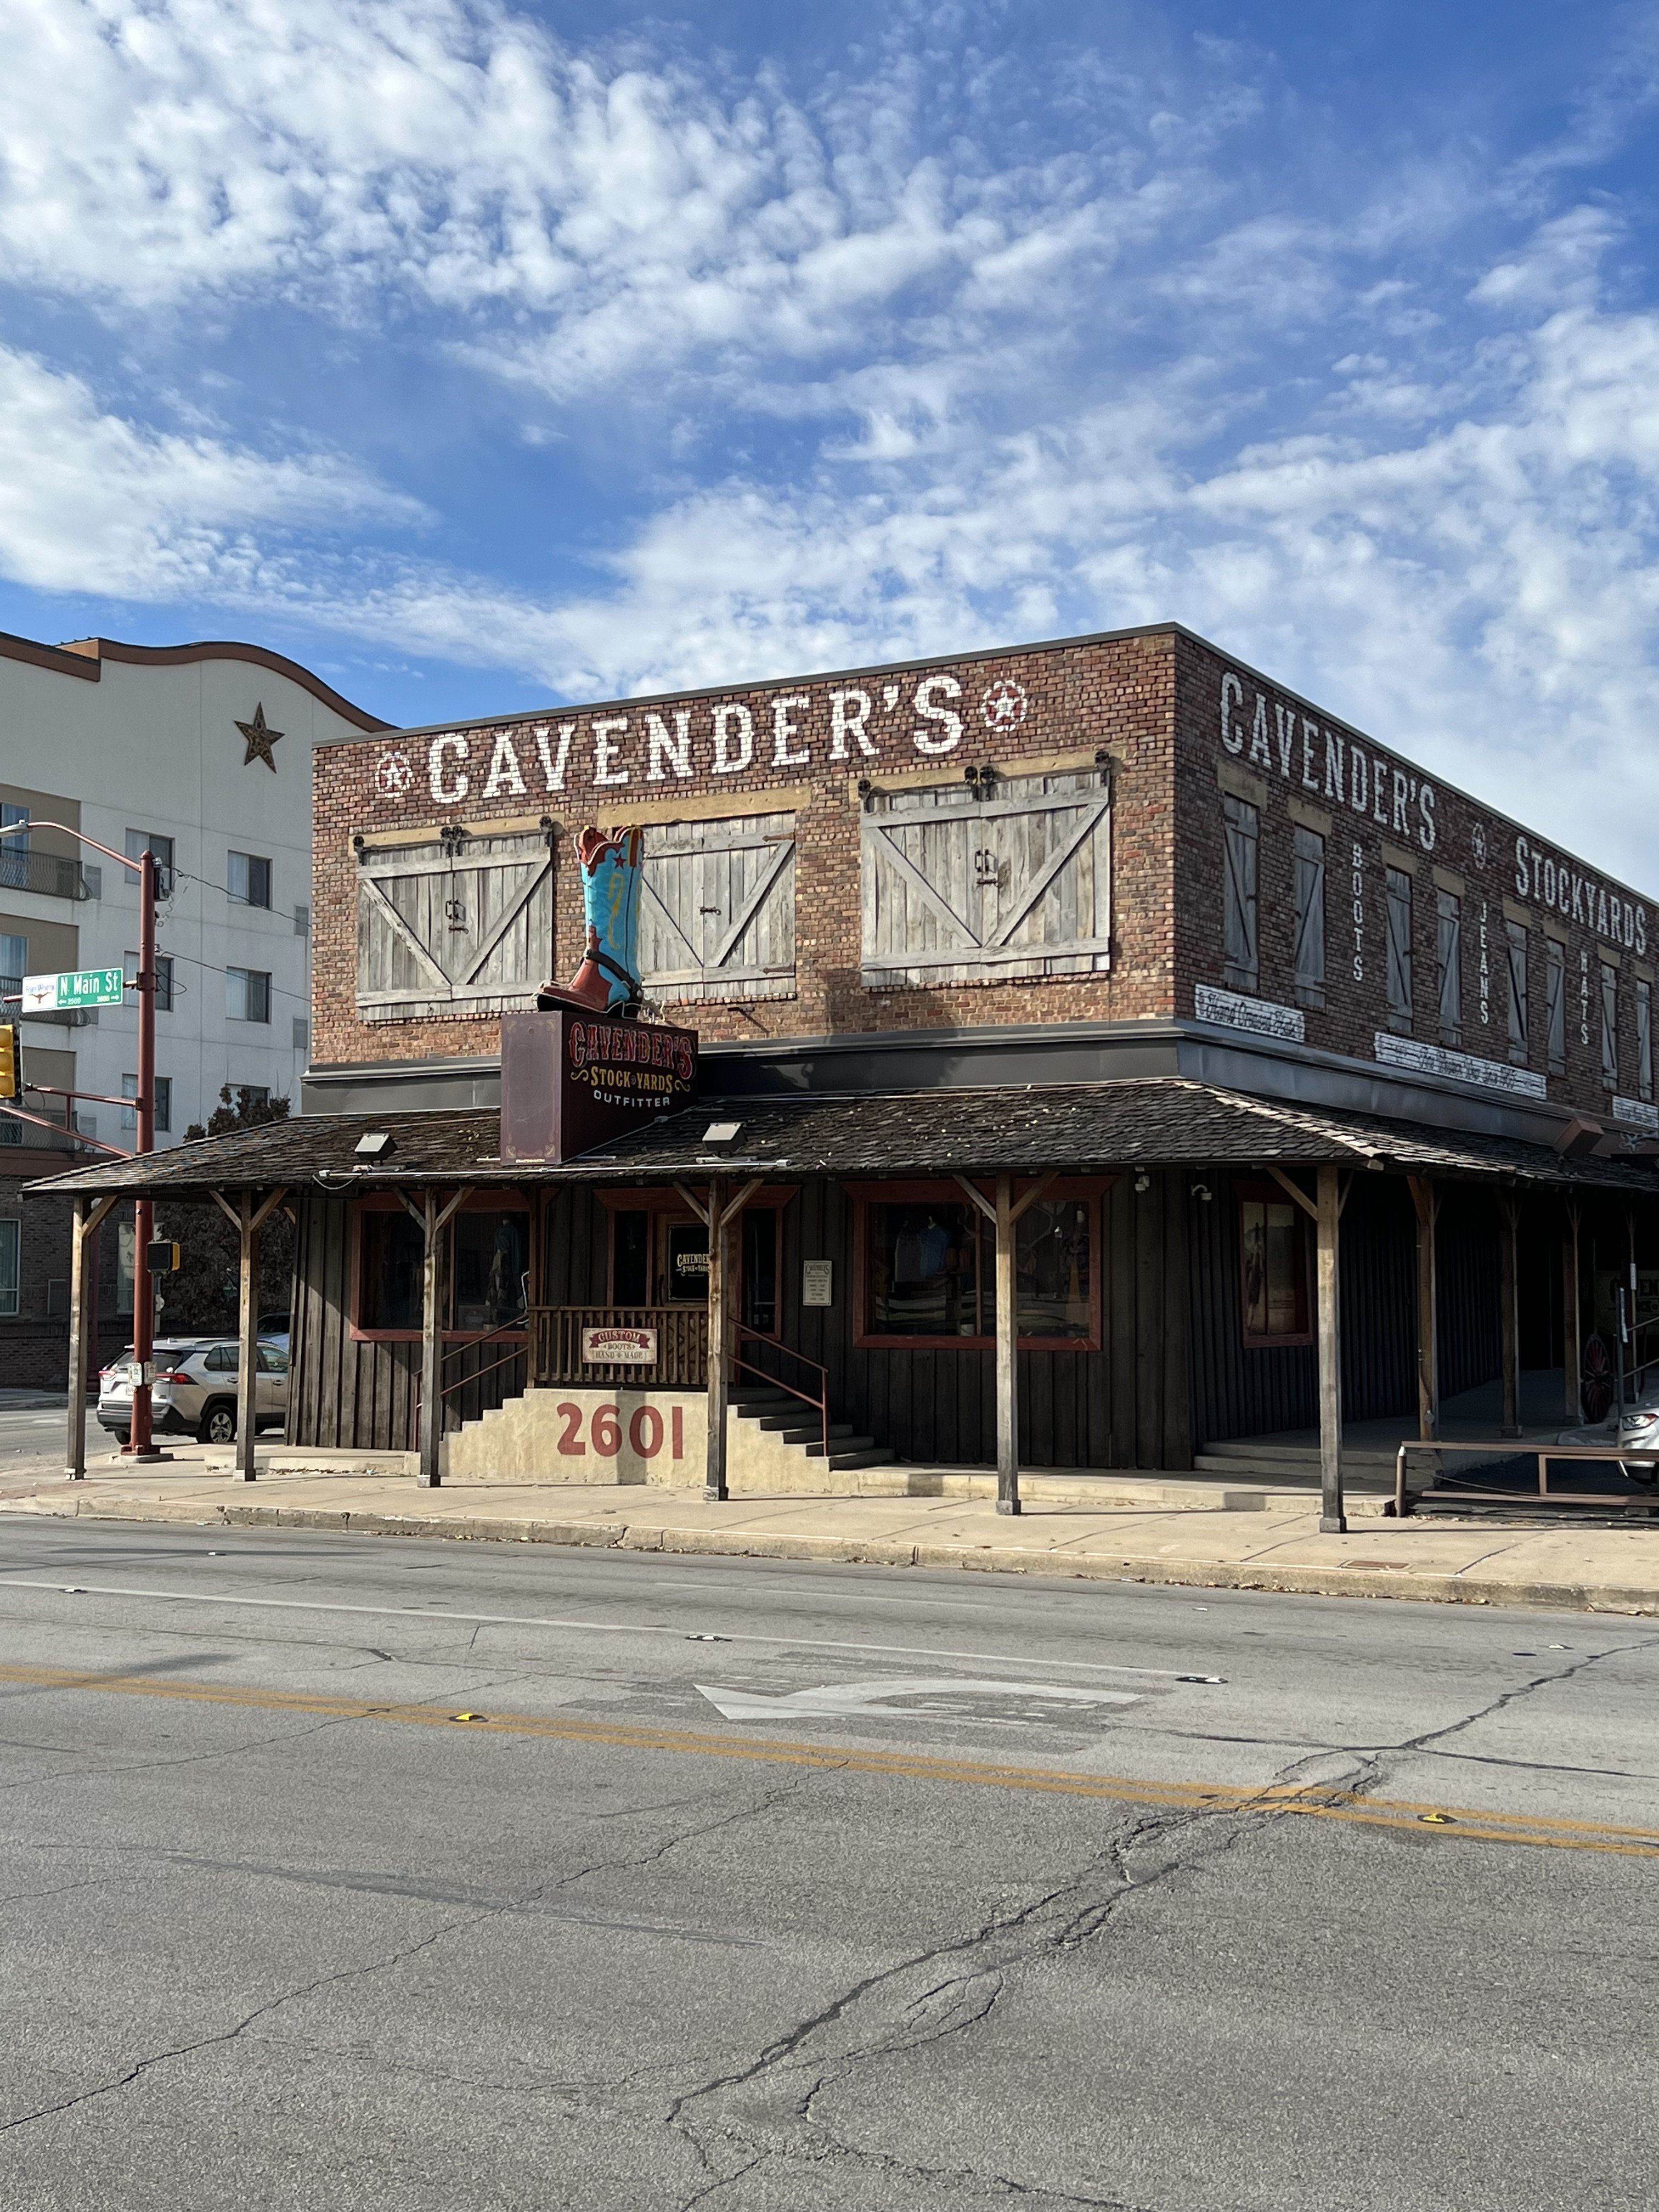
point(248, 1094)
point(1274, 1260)
point(1644, 1042)
point(140, 841)
point(1399, 916)
point(1310, 869)
point(12, 1252)
point(248, 880)
point(1609, 1026)
point(247, 994)
point(1555, 1004)
point(1241, 827)
point(163, 1103)
point(13, 966)
point(1448, 964)
point(1515, 935)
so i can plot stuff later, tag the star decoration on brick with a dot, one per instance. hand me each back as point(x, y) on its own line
point(260, 739)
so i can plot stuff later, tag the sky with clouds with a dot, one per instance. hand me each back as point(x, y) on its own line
point(483, 356)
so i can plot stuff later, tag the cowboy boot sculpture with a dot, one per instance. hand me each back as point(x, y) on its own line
point(608, 980)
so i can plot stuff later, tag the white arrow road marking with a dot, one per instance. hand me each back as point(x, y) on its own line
point(851, 1700)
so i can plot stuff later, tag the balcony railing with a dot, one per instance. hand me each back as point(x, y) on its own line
point(50, 873)
point(30, 1135)
point(681, 1361)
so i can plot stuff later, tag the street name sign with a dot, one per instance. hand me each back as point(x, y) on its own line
point(78, 986)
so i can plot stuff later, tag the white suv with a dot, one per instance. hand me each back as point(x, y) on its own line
point(194, 1392)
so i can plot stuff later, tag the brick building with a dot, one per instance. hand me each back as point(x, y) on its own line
point(1117, 916)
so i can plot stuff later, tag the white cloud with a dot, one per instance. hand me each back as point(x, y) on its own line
point(91, 502)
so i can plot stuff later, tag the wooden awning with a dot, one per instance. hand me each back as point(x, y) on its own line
point(1073, 1129)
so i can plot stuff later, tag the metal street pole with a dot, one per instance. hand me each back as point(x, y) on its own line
point(140, 1444)
point(141, 1441)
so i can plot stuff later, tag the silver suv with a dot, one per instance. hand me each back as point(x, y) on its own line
point(194, 1392)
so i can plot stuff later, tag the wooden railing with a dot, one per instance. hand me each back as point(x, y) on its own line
point(681, 1361)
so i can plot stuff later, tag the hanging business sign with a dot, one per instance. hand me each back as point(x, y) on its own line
point(619, 1347)
point(571, 1081)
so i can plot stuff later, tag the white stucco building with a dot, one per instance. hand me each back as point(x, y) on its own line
point(204, 751)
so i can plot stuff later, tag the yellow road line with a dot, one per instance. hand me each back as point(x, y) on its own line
point(1464, 1824)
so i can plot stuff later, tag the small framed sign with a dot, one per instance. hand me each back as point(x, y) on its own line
point(619, 1347)
point(817, 1282)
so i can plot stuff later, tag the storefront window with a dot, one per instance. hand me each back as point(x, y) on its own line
point(1274, 1255)
point(391, 1260)
point(685, 1261)
point(924, 1270)
point(930, 1272)
point(1051, 1268)
point(491, 1263)
point(759, 1301)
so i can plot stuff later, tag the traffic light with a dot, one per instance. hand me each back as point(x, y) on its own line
point(161, 1259)
point(11, 1061)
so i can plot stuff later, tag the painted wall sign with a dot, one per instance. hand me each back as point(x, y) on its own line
point(1458, 1066)
point(614, 1346)
point(571, 1081)
point(1576, 896)
point(1233, 1012)
point(1279, 738)
point(653, 749)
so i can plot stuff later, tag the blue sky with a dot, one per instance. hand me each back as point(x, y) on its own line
point(481, 357)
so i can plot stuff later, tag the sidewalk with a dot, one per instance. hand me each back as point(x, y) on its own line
point(1276, 1546)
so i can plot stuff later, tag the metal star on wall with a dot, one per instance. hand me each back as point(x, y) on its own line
point(260, 739)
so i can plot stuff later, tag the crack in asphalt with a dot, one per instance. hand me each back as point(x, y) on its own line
point(951, 2004)
point(1507, 1698)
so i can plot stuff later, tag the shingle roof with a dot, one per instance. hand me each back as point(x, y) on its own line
point(1077, 1127)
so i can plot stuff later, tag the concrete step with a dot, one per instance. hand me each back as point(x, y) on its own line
point(875, 1455)
point(1289, 1464)
point(786, 1418)
point(806, 1432)
point(848, 1443)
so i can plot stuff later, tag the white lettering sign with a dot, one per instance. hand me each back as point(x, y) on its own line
point(1457, 1066)
point(1260, 1016)
point(1332, 763)
point(729, 737)
point(1638, 1115)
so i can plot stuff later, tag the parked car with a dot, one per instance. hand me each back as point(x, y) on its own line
point(194, 1392)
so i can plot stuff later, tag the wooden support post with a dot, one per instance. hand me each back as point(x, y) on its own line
point(1509, 1233)
point(83, 1306)
point(247, 1336)
point(1333, 1520)
point(1004, 1216)
point(719, 1350)
point(1425, 1200)
point(76, 1449)
point(1573, 1380)
point(1007, 1362)
point(248, 1220)
point(433, 1219)
point(432, 1403)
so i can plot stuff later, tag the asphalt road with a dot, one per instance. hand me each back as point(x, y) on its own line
point(774, 1886)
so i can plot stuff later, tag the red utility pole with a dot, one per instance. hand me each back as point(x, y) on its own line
point(141, 1443)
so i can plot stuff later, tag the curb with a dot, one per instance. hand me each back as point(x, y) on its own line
point(1357, 1581)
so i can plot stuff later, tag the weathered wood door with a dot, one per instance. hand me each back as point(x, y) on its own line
point(959, 889)
point(717, 909)
point(464, 925)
